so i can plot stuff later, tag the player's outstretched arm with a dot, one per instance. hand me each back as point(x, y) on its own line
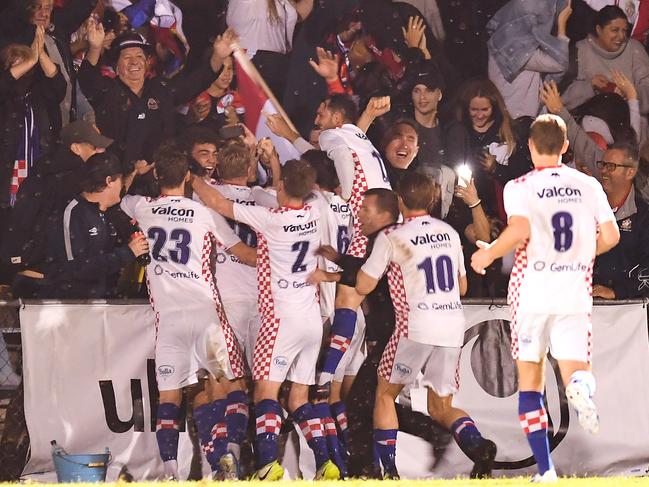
point(609, 236)
point(517, 231)
point(244, 253)
point(212, 198)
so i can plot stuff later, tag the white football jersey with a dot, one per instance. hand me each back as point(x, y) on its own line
point(286, 242)
point(335, 217)
point(423, 257)
point(241, 279)
point(359, 167)
point(552, 272)
point(180, 232)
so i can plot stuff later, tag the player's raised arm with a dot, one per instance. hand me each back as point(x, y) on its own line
point(212, 198)
point(517, 231)
point(609, 236)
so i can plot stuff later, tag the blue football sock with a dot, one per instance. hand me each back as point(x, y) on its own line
point(342, 331)
point(339, 413)
point(386, 444)
point(268, 414)
point(466, 435)
point(534, 422)
point(166, 431)
point(212, 431)
point(236, 417)
point(313, 431)
point(322, 411)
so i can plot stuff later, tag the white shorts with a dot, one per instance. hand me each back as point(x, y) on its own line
point(287, 348)
point(355, 354)
point(188, 340)
point(403, 359)
point(568, 337)
point(245, 322)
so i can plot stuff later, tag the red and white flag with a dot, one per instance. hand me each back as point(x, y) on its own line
point(257, 100)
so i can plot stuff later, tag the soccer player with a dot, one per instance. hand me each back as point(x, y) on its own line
point(426, 277)
point(181, 233)
point(359, 168)
point(289, 340)
point(558, 221)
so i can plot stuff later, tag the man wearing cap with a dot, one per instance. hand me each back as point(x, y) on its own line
point(136, 111)
point(84, 257)
point(44, 193)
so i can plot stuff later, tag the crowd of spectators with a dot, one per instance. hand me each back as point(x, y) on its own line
point(88, 85)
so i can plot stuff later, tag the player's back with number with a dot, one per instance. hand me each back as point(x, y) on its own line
point(424, 277)
point(181, 234)
point(554, 269)
point(286, 242)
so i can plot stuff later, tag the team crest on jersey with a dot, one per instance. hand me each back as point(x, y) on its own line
point(626, 225)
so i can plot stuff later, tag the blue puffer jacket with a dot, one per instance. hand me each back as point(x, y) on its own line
point(521, 27)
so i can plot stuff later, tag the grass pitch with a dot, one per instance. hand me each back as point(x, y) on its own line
point(568, 482)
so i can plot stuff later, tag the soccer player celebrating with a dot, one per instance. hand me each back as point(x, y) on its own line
point(289, 339)
point(359, 168)
point(426, 276)
point(558, 221)
point(181, 234)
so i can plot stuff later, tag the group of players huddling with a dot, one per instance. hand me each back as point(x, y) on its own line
point(262, 271)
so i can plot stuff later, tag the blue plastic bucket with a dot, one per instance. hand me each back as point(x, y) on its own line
point(81, 468)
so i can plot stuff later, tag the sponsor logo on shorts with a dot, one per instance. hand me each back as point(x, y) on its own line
point(526, 339)
point(402, 369)
point(281, 362)
point(166, 371)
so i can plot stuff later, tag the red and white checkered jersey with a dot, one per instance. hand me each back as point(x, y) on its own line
point(287, 239)
point(180, 233)
point(359, 167)
point(241, 279)
point(423, 256)
point(341, 145)
point(552, 272)
point(335, 217)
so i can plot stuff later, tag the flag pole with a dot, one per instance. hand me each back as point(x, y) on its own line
point(251, 71)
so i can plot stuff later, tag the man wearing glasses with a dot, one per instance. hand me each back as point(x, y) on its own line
point(623, 272)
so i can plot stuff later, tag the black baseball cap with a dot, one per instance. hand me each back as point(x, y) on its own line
point(430, 78)
point(81, 132)
point(127, 39)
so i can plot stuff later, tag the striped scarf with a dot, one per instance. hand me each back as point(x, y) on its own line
point(28, 149)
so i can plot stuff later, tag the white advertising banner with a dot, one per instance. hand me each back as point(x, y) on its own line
point(90, 384)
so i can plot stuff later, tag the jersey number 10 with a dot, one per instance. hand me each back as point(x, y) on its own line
point(443, 271)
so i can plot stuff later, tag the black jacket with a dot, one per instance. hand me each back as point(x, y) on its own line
point(139, 124)
point(15, 28)
point(41, 196)
point(44, 95)
point(83, 257)
point(625, 268)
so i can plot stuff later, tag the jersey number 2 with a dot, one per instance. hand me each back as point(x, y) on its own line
point(178, 254)
point(301, 248)
point(443, 272)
